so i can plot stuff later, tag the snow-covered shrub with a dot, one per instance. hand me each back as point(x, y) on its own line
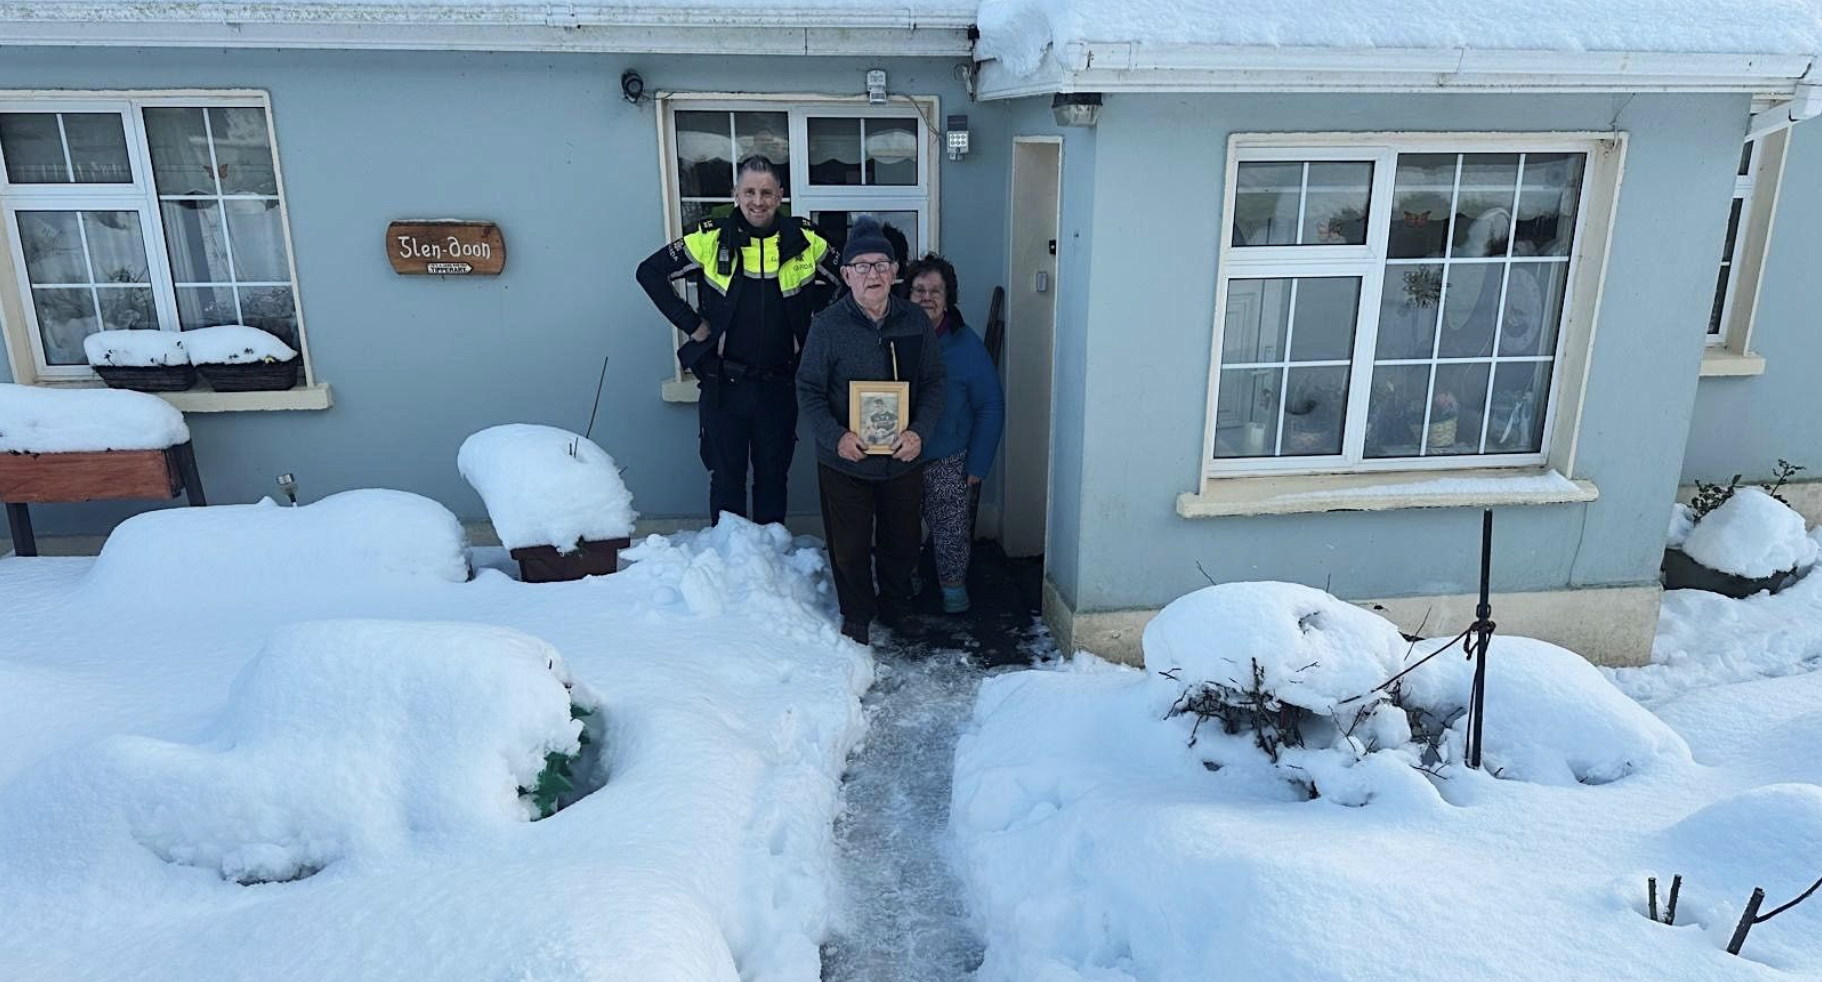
point(340, 740)
point(1551, 717)
point(544, 486)
point(1751, 535)
point(235, 344)
point(135, 349)
point(1708, 497)
point(738, 565)
point(1764, 838)
point(224, 552)
point(35, 419)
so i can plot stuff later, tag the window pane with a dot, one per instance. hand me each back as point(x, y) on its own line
point(1520, 392)
point(1315, 410)
point(1407, 312)
point(180, 151)
point(1335, 209)
point(65, 317)
point(271, 309)
point(33, 149)
point(1326, 313)
point(1258, 319)
point(205, 306)
point(98, 148)
point(1483, 209)
point(1395, 410)
point(1266, 197)
point(695, 211)
point(1421, 192)
point(52, 244)
point(243, 151)
point(705, 155)
point(1547, 204)
point(834, 225)
point(1534, 308)
point(127, 308)
point(1746, 159)
point(1733, 231)
point(766, 134)
point(1720, 301)
point(1456, 408)
point(117, 250)
point(834, 150)
point(258, 238)
point(892, 151)
point(1470, 308)
point(1246, 416)
point(197, 243)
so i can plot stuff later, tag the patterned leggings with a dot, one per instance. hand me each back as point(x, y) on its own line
point(947, 512)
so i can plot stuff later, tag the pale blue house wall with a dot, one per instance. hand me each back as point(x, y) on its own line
point(1155, 209)
point(1744, 425)
point(544, 145)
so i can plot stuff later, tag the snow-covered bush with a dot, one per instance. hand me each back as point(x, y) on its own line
point(235, 344)
point(734, 565)
point(544, 486)
point(34, 419)
point(1295, 674)
point(1751, 535)
point(135, 349)
point(224, 552)
point(340, 740)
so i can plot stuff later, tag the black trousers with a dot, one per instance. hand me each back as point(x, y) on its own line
point(871, 526)
point(748, 422)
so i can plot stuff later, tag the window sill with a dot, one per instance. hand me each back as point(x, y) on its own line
point(1223, 497)
point(680, 390)
point(201, 400)
point(1721, 363)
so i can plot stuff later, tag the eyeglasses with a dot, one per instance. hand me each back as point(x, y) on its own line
point(883, 266)
point(936, 292)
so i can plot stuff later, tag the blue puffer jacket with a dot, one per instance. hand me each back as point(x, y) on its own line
point(974, 408)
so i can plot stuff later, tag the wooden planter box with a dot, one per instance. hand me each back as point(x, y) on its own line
point(39, 478)
point(593, 557)
point(1683, 573)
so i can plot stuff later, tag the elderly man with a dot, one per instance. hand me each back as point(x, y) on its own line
point(759, 275)
point(870, 335)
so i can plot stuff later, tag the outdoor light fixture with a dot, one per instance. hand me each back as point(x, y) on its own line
point(1076, 108)
point(876, 86)
point(957, 137)
point(288, 485)
point(632, 86)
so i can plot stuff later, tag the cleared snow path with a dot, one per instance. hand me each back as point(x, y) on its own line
point(902, 917)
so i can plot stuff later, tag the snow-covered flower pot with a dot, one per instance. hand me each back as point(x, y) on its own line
point(555, 498)
point(1752, 543)
point(146, 361)
point(237, 358)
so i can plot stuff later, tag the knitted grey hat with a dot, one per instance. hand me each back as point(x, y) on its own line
point(865, 237)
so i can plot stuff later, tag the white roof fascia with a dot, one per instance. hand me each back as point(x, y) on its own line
point(1128, 67)
point(878, 31)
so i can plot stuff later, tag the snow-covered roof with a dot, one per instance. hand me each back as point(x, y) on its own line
point(1048, 45)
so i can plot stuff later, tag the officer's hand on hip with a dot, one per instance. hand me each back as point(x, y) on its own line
point(907, 446)
point(701, 333)
point(850, 447)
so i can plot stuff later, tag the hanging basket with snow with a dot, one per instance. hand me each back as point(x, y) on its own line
point(142, 360)
point(238, 358)
point(555, 498)
point(1751, 543)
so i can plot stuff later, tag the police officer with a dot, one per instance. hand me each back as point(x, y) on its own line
point(760, 276)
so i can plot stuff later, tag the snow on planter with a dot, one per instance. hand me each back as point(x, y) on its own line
point(544, 486)
point(46, 420)
point(1552, 717)
point(224, 552)
point(235, 344)
point(340, 740)
point(1751, 535)
point(135, 349)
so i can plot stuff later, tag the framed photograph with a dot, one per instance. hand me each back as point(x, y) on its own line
point(877, 411)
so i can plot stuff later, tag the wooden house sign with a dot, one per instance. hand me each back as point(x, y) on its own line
point(445, 248)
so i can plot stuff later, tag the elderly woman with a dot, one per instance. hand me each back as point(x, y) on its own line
point(871, 497)
point(960, 451)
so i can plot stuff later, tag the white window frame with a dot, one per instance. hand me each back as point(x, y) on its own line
point(804, 197)
point(18, 318)
point(1729, 351)
point(1569, 362)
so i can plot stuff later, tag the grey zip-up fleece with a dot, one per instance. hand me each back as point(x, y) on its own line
point(845, 345)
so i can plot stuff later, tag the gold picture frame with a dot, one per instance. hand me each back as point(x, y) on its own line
point(877, 413)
